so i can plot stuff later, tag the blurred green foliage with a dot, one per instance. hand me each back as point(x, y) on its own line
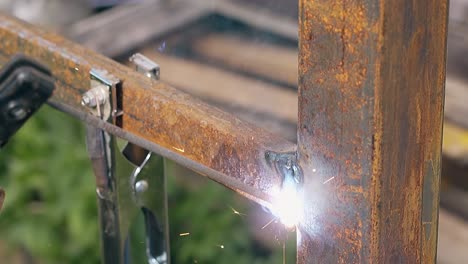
point(50, 207)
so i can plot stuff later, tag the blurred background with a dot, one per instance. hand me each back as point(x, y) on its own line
point(239, 55)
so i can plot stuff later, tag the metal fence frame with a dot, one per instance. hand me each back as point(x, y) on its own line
point(371, 90)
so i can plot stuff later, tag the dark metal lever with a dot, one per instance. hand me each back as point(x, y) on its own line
point(25, 86)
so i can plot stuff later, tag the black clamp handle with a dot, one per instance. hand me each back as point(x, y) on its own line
point(25, 86)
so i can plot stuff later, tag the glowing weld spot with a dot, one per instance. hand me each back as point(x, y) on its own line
point(287, 205)
point(179, 149)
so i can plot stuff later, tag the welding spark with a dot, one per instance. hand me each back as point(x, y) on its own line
point(179, 149)
point(184, 234)
point(269, 223)
point(237, 212)
point(325, 182)
point(162, 47)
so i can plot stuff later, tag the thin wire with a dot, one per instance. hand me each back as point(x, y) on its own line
point(284, 252)
point(267, 224)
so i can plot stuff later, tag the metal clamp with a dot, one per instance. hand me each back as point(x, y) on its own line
point(129, 182)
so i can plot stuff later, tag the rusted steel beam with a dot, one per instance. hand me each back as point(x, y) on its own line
point(370, 127)
point(155, 116)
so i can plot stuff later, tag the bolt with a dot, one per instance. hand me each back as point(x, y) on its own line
point(95, 95)
point(86, 100)
point(141, 186)
point(18, 113)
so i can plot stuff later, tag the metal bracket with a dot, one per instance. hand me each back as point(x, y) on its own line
point(102, 98)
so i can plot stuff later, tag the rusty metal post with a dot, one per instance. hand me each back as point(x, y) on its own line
point(371, 96)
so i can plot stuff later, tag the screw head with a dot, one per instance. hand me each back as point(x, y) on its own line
point(141, 186)
point(16, 111)
point(19, 113)
point(96, 95)
point(86, 100)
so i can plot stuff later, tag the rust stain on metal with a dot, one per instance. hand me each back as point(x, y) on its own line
point(371, 103)
point(215, 143)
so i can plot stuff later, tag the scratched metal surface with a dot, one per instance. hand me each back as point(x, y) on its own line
point(370, 126)
point(161, 118)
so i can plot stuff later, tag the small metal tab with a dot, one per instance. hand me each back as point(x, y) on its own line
point(146, 66)
point(104, 77)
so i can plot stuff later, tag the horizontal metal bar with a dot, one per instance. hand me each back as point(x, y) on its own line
point(156, 116)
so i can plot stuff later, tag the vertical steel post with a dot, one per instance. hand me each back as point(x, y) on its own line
point(371, 93)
